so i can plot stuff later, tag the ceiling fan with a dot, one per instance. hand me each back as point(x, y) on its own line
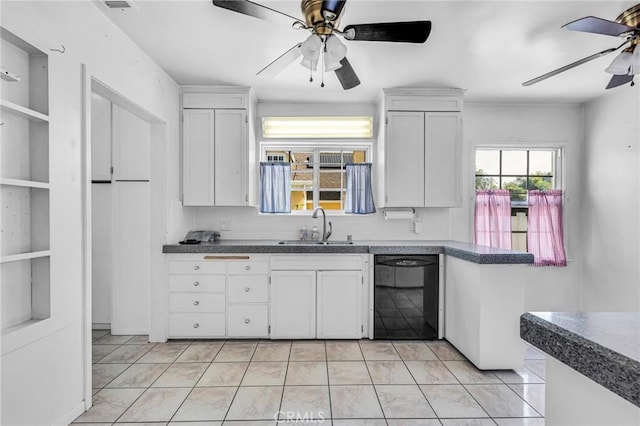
point(626, 65)
point(322, 20)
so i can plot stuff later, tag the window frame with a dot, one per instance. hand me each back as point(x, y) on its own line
point(559, 174)
point(315, 146)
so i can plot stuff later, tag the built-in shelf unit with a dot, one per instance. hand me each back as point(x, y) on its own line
point(24, 181)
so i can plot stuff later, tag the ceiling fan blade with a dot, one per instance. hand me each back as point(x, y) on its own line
point(347, 75)
point(405, 32)
point(572, 65)
point(591, 24)
point(281, 62)
point(256, 10)
point(619, 80)
point(331, 9)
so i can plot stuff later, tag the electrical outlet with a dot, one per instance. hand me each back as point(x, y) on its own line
point(225, 225)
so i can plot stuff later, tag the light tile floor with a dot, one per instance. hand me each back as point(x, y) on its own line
point(341, 383)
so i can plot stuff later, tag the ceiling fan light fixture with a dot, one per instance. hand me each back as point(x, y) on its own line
point(311, 48)
point(620, 64)
point(309, 64)
point(335, 48)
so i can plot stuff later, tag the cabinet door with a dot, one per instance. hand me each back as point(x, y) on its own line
point(338, 303)
point(443, 157)
point(131, 258)
point(100, 138)
point(131, 143)
point(293, 305)
point(404, 162)
point(198, 157)
point(230, 158)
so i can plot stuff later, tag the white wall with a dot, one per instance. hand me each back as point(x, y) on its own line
point(611, 202)
point(42, 383)
point(546, 288)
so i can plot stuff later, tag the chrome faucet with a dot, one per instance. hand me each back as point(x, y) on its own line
point(325, 234)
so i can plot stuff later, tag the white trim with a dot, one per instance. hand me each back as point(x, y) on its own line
point(25, 183)
point(25, 256)
point(71, 415)
point(23, 111)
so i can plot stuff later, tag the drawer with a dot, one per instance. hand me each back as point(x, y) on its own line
point(197, 325)
point(198, 283)
point(248, 321)
point(196, 302)
point(197, 267)
point(247, 268)
point(248, 289)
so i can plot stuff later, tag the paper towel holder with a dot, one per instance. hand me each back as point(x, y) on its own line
point(400, 213)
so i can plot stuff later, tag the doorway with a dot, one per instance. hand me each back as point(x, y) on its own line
point(124, 212)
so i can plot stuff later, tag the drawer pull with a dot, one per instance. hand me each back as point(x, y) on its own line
point(196, 303)
point(196, 325)
point(247, 321)
point(196, 283)
point(247, 289)
point(248, 268)
point(196, 267)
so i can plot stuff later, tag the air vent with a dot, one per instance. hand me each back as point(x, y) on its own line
point(120, 4)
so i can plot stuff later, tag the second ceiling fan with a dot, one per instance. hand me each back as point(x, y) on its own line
point(323, 46)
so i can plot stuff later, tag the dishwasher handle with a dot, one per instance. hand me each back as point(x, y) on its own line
point(406, 262)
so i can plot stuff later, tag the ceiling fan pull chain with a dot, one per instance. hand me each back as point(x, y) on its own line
point(324, 51)
point(311, 76)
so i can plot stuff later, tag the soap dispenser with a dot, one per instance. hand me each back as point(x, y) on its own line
point(315, 234)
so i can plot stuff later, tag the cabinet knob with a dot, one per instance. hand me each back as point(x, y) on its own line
point(248, 268)
point(196, 283)
point(196, 325)
point(196, 267)
point(196, 303)
point(247, 289)
point(247, 321)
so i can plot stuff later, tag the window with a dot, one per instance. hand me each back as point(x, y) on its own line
point(518, 170)
point(317, 173)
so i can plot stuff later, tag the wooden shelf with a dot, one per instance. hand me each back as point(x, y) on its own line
point(23, 111)
point(25, 256)
point(24, 183)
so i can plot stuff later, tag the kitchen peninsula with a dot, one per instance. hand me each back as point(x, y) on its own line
point(484, 290)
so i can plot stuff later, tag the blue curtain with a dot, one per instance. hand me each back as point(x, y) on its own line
point(275, 187)
point(359, 197)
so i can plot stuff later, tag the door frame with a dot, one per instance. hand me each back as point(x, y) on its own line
point(158, 222)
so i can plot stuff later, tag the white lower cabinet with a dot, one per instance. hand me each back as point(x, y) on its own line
point(338, 302)
point(293, 304)
point(308, 302)
point(248, 321)
point(203, 325)
point(247, 299)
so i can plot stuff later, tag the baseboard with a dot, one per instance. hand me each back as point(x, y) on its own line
point(71, 415)
point(100, 326)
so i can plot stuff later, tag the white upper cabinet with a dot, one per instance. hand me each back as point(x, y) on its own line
point(216, 149)
point(198, 153)
point(404, 162)
point(423, 148)
point(131, 145)
point(230, 174)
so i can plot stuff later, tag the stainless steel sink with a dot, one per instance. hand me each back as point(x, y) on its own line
point(313, 243)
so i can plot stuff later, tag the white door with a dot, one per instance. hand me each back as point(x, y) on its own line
point(100, 138)
point(101, 252)
point(443, 158)
point(131, 143)
point(198, 157)
point(230, 157)
point(131, 258)
point(293, 304)
point(404, 162)
point(338, 304)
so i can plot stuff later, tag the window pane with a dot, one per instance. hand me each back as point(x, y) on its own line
point(541, 163)
point(517, 187)
point(486, 182)
point(514, 162)
point(543, 183)
point(487, 162)
point(301, 180)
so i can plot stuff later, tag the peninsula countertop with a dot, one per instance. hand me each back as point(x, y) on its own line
point(603, 346)
point(466, 251)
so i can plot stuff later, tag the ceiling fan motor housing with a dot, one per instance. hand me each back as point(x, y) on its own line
point(312, 11)
point(630, 17)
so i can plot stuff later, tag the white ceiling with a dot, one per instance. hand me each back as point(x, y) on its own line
point(486, 47)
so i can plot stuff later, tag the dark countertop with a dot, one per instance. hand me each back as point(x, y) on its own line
point(603, 346)
point(465, 251)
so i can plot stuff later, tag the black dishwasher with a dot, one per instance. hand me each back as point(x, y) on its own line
point(406, 297)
